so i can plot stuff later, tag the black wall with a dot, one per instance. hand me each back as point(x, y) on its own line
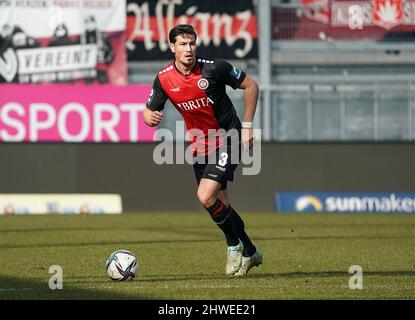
point(129, 169)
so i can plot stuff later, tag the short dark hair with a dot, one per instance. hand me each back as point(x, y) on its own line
point(181, 29)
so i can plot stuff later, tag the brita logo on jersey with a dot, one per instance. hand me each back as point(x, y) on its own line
point(345, 202)
point(195, 104)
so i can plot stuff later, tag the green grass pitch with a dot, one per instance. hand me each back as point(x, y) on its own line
point(182, 256)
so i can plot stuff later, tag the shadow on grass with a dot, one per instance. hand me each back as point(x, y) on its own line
point(401, 273)
point(112, 229)
point(215, 239)
point(29, 289)
point(286, 275)
point(331, 237)
point(185, 228)
point(101, 243)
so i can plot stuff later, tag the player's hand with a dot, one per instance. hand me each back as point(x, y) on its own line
point(247, 138)
point(154, 118)
point(157, 117)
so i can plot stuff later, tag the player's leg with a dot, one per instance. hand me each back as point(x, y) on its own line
point(251, 256)
point(249, 248)
point(208, 196)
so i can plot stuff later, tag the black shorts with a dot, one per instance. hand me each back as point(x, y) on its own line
point(220, 165)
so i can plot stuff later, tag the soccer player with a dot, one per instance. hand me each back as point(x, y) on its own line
point(197, 88)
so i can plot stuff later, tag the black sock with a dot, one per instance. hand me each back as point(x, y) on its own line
point(249, 248)
point(220, 215)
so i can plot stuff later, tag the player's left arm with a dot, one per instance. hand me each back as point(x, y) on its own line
point(251, 93)
point(236, 78)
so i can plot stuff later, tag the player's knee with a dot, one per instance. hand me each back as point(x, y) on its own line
point(205, 199)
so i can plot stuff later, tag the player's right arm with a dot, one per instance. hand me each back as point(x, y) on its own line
point(152, 113)
point(152, 118)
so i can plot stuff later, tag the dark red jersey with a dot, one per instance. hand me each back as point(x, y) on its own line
point(201, 99)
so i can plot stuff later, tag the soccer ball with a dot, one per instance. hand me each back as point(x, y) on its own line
point(122, 265)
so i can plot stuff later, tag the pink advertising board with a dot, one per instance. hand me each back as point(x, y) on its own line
point(67, 113)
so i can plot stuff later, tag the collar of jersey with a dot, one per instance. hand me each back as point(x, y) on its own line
point(191, 71)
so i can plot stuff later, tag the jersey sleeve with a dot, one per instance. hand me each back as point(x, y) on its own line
point(229, 75)
point(157, 97)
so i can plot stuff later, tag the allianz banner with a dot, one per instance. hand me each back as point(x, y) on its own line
point(57, 41)
point(345, 202)
point(226, 29)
